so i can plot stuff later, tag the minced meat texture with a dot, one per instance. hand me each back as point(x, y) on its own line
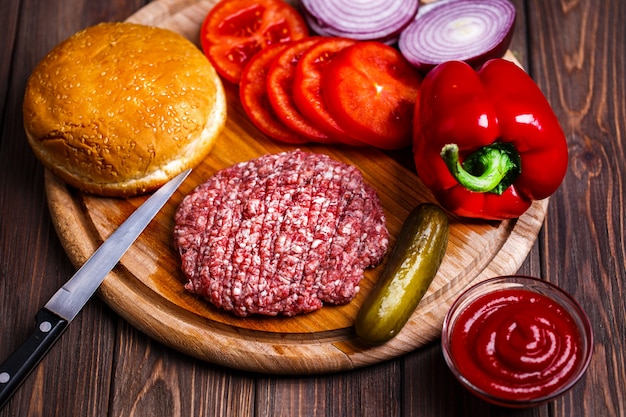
point(280, 235)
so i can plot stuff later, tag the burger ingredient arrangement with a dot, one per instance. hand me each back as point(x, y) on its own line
point(297, 89)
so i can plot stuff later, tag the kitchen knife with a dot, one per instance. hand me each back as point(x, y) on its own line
point(67, 302)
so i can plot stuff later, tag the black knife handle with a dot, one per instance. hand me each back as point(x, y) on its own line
point(23, 360)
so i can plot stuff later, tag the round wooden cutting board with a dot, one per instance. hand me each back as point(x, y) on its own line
point(146, 288)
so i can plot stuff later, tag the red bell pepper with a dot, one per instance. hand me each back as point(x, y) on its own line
point(487, 143)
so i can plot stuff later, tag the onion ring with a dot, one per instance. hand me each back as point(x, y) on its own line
point(378, 20)
point(473, 31)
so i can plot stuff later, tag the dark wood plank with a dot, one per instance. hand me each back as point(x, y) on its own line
point(578, 59)
point(34, 264)
point(8, 24)
point(368, 391)
point(150, 379)
point(288, 396)
point(371, 391)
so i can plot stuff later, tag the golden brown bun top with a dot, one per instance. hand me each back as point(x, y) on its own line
point(119, 108)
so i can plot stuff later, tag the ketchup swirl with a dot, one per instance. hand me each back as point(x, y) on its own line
point(514, 343)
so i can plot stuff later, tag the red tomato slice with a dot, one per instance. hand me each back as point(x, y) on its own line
point(253, 96)
point(234, 30)
point(307, 88)
point(280, 90)
point(370, 89)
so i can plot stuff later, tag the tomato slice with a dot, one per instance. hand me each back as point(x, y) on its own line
point(307, 88)
point(235, 30)
point(280, 78)
point(371, 89)
point(253, 96)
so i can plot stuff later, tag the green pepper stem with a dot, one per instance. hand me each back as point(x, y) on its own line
point(490, 169)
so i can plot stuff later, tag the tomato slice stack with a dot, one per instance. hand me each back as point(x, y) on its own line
point(298, 89)
point(280, 83)
point(308, 93)
point(255, 100)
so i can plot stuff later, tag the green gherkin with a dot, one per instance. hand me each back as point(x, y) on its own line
point(412, 266)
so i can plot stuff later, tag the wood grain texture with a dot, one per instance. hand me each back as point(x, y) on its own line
point(574, 49)
point(579, 61)
point(33, 264)
point(147, 288)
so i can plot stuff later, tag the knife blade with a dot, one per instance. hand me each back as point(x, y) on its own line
point(67, 302)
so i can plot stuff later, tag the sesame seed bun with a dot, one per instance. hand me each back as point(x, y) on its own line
point(118, 109)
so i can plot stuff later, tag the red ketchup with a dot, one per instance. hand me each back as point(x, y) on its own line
point(516, 345)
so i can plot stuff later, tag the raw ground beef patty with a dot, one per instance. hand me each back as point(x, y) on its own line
point(280, 235)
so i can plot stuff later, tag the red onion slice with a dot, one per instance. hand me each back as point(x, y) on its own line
point(380, 20)
point(473, 31)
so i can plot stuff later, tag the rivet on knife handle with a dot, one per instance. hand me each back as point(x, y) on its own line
point(24, 359)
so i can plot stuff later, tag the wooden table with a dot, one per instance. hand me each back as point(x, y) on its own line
point(103, 366)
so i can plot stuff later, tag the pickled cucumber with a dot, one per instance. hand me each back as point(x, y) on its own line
point(410, 269)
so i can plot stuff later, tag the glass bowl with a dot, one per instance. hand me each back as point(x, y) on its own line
point(516, 341)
